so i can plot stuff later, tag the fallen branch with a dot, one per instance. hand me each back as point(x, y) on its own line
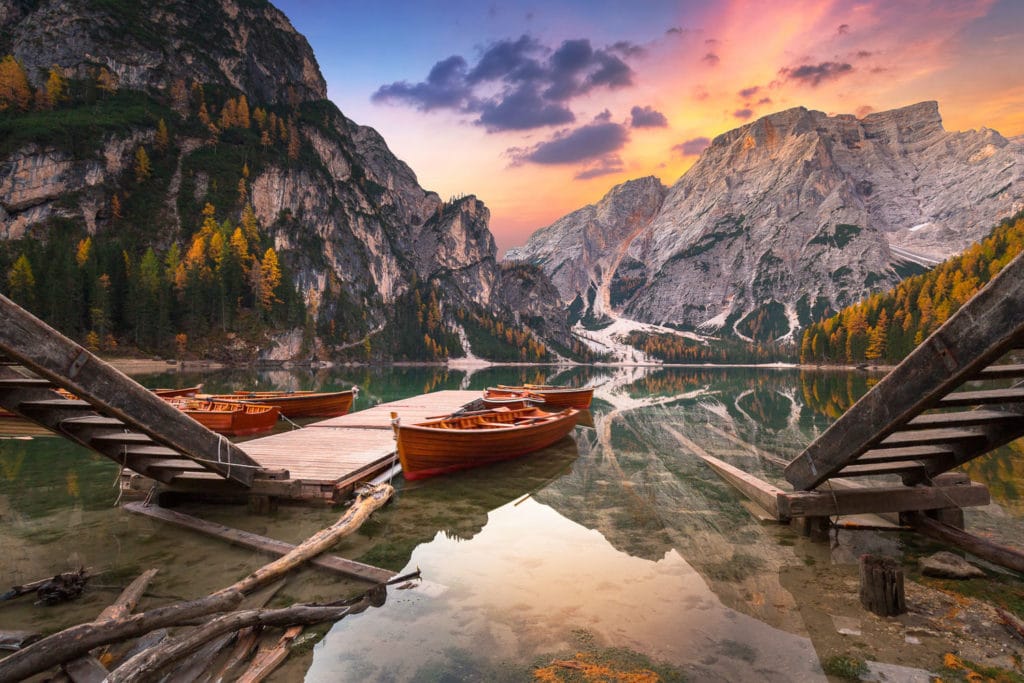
point(81, 575)
point(148, 663)
point(76, 641)
point(268, 660)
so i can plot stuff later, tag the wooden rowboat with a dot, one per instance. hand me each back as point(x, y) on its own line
point(459, 442)
point(293, 404)
point(554, 397)
point(230, 419)
point(189, 392)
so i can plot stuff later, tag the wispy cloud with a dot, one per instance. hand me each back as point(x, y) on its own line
point(647, 117)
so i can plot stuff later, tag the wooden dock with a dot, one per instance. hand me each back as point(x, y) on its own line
point(325, 460)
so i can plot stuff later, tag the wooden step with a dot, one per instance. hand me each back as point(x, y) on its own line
point(151, 452)
point(984, 397)
point(928, 436)
point(91, 421)
point(874, 470)
point(58, 403)
point(166, 465)
point(127, 438)
point(24, 383)
point(967, 418)
point(903, 454)
point(1006, 371)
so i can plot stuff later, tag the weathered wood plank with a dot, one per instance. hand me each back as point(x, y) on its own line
point(830, 503)
point(875, 469)
point(967, 418)
point(982, 397)
point(926, 437)
point(1003, 371)
point(761, 492)
point(900, 454)
point(974, 337)
point(246, 539)
point(53, 356)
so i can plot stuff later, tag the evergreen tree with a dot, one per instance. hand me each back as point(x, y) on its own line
point(22, 283)
point(143, 169)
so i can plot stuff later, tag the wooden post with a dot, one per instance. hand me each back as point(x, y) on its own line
point(817, 528)
point(881, 586)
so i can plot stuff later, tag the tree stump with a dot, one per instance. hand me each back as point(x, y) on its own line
point(881, 586)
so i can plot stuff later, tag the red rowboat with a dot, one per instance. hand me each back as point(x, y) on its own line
point(230, 419)
point(554, 397)
point(178, 393)
point(294, 404)
point(459, 442)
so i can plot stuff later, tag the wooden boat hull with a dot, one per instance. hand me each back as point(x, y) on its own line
point(554, 397)
point(297, 404)
point(186, 392)
point(425, 450)
point(230, 419)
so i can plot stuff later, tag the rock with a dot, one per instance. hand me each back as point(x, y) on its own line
point(946, 565)
point(785, 216)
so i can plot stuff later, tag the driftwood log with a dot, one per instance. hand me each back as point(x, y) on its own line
point(1005, 556)
point(145, 664)
point(881, 586)
point(77, 641)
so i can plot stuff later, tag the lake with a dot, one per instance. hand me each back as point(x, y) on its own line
point(616, 550)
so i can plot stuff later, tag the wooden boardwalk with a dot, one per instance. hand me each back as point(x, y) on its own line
point(326, 459)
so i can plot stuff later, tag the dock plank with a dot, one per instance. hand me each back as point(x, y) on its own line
point(339, 449)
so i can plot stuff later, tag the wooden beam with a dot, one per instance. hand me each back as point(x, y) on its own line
point(1002, 555)
point(925, 437)
point(245, 539)
point(880, 499)
point(975, 336)
point(761, 492)
point(1003, 371)
point(50, 354)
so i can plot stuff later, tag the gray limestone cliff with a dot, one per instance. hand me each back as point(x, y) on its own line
point(793, 213)
point(349, 218)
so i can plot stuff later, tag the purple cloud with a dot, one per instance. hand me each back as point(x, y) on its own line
point(815, 74)
point(743, 114)
point(692, 147)
point(748, 92)
point(586, 142)
point(647, 117)
point(518, 84)
point(711, 59)
point(843, 29)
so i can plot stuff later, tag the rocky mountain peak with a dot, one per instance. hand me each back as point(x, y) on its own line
point(248, 46)
point(788, 215)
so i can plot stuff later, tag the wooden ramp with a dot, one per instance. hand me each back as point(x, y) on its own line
point(953, 399)
point(111, 413)
point(326, 459)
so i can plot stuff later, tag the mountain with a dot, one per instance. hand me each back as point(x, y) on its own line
point(787, 217)
point(226, 103)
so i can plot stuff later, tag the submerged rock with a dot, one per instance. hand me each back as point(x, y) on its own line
point(946, 565)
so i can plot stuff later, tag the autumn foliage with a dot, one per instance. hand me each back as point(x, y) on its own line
point(887, 326)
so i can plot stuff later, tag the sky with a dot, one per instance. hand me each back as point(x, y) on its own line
point(539, 108)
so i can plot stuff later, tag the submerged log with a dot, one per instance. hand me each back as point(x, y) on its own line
point(76, 641)
point(81, 575)
point(271, 658)
point(15, 640)
point(1002, 555)
point(146, 664)
point(881, 586)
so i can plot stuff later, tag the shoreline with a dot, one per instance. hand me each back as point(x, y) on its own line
point(146, 366)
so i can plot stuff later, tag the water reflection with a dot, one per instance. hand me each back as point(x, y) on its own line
point(621, 532)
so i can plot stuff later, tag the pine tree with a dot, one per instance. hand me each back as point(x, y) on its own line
point(249, 224)
point(163, 137)
point(115, 207)
point(294, 141)
point(15, 92)
point(242, 112)
point(22, 282)
point(878, 338)
point(270, 278)
point(106, 81)
point(55, 86)
point(179, 97)
point(143, 169)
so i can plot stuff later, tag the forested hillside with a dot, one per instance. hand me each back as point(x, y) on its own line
point(885, 327)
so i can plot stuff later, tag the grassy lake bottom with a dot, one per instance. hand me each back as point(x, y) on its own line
point(613, 553)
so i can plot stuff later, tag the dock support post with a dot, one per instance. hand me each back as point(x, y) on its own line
point(881, 586)
point(262, 505)
point(817, 528)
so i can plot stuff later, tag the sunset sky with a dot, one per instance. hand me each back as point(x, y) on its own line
point(539, 108)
